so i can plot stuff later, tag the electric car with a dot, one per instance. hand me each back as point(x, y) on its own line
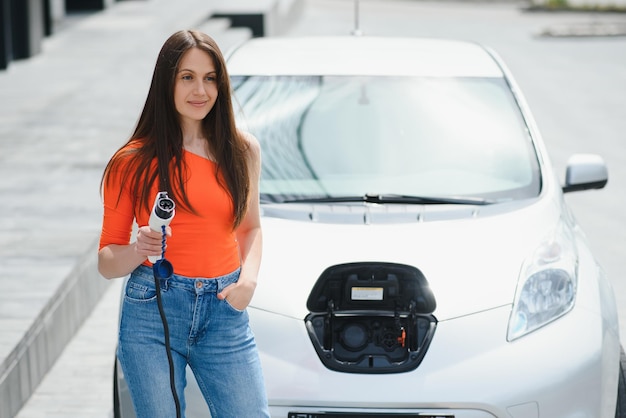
point(419, 258)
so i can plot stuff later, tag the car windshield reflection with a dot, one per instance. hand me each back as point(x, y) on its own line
point(333, 136)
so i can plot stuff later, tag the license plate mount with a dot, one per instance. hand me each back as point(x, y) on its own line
point(363, 415)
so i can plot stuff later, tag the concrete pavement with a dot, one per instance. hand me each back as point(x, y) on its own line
point(80, 383)
point(63, 113)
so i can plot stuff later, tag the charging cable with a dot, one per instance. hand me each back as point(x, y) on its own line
point(161, 216)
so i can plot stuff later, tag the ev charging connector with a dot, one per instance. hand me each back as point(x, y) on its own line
point(161, 216)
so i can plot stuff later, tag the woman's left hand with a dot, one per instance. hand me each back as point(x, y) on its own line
point(238, 295)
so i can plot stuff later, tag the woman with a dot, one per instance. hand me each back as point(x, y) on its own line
point(186, 143)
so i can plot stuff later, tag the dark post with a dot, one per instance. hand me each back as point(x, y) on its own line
point(5, 34)
point(47, 17)
point(84, 5)
point(27, 27)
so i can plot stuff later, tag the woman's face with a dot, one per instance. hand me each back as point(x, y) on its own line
point(195, 89)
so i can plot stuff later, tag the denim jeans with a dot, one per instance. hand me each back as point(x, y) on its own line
point(206, 333)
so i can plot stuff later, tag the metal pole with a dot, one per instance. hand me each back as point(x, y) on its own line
point(357, 31)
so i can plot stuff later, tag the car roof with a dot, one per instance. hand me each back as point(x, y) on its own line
point(362, 55)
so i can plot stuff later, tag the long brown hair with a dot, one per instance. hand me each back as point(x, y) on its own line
point(158, 134)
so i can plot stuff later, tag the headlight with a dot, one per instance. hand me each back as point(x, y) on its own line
point(546, 289)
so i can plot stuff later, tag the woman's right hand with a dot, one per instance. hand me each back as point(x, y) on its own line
point(149, 242)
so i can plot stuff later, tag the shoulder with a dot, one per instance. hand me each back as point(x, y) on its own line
point(128, 150)
point(252, 144)
point(126, 157)
point(121, 156)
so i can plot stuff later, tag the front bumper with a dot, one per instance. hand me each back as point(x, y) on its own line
point(565, 369)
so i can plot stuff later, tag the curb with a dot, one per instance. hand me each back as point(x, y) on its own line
point(54, 327)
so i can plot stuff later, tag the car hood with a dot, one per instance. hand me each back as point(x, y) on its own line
point(471, 260)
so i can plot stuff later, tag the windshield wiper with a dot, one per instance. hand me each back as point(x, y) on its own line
point(395, 198)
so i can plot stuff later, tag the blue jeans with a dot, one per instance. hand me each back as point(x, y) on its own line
point(206, 333)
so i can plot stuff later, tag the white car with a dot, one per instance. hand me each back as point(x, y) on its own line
point(419, 258)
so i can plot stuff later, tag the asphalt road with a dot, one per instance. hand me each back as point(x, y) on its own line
point(574, 84)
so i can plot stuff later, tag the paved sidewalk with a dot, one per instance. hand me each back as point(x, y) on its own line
point(68, 391)
point(63, 113)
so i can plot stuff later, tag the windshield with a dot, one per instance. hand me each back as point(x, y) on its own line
point(333, 136)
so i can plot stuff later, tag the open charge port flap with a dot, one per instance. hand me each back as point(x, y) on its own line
point(371, 317)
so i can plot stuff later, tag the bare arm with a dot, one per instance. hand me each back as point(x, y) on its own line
point(119, 260)
point(249, 236)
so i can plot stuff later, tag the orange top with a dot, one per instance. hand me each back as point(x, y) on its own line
point(202, 244)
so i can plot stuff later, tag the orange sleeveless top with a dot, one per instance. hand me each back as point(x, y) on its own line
point(202, 244)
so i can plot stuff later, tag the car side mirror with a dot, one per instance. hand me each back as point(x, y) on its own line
point(584, 172)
